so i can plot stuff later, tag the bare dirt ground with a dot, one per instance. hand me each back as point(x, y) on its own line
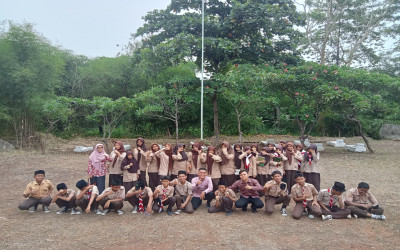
point(22, 230)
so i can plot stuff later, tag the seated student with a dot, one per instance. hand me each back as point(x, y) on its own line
point(357, 201)
point(65, 199)
point(202, 188)
point(249, 189)
point(164, 195)
point(331, 202)
point(112, 197)
point(305, 196)
point(37, 192)
point(183, 193)
point(86, 197)
point(224, 199)
point(276, 193)
point(141, 198)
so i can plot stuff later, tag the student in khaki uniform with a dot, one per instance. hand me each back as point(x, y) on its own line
point(131, 171)
point(212, 161)
point(238, 150)
point(331, 202)
point(263, 165)
point(163, 196)
point(65, 199)
point(153, 162)
point(37, 192)
point(141, 198)
point(276, 162)
point(140, 155)
point(276, 193)
point(114, 167)
point(362, 203)
point(305, 196)
point(180, 160)
point(227, 164)
point(183, 193)
point(86, 197)
point(290, 166)
point(249, 162)
point(194, 161)
point(166, 161)
point(224, 200)
point(310, 166)
point(112, 198)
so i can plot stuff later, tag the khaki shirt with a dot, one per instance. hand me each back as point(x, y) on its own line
point(215, 171)
point(164, 160)
point(183, 189)
point(295, 158)
point(354, 196)
point(95, 191)
point(310, 191)
point(146, 192)
point(314, 167)
point(228, 168)
point(120, 194)
point(70, 192)
point(178, 165)
point(200, 164)
point(152, 163)
point(38, 191)
point(324, 196)
point(168, 194)
point(142, 162)
point(219, 195)
point(275, 189)
point(117, 167)
point(252, 162)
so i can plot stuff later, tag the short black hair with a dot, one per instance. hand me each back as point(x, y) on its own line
point(165, 177)
point(363, 185)
point(181, 172)
point(61, 186)
point(241, 171)
point(222, 183)
point(39, 172)
point(202, 169)
point(116, 182)
point(81, 184)
point(276, 172)
point(298, 174)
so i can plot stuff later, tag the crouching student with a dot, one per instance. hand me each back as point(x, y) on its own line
point(112, 197)
point(249, 189)
point(65, 199)
point(224, 200)
point(276, 193)
point(202, 188)
point(86, 197)
point(305, 196)
point(163, 196)
point(362, 203)
point(141, 198)
point(331, 202)
point(183, 193)
point(37, 192)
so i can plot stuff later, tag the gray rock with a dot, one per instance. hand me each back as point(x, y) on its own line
point(5, 146)
point(390, 131)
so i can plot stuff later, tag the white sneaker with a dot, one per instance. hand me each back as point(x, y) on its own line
point(98, 212)
point(311, 216)
point(135, 210)
point(355, 216)
point(46, 209)
point(105, 212)
point(283, 212)
point(379, 217)
point(348, 216)
point(77, 212)
point(73, 211)
point(326, 217)
point(120, 212)
point(178, 211)
point(32, 210)
point(63, 210)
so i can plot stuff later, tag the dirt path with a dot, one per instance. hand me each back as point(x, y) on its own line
point(201, 230)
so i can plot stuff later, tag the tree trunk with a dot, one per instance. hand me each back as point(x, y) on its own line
point(239, 128)
point(216, 123)
point(302, 128)
point(363, 135)
point(278, 116)
point(176, 130)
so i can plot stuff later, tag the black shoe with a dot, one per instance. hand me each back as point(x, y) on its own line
point(244, 209)
point(254, 210)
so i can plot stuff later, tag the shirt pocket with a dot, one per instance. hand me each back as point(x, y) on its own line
point(274, 189)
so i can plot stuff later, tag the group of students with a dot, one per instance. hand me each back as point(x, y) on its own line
point(279, 172)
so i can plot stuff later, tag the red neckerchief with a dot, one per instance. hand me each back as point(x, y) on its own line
point(304, 201)
point(89, 193)
point(246, 166)
point(331, 200)
point(309, 157)
point(141, 207)
point(163, 197)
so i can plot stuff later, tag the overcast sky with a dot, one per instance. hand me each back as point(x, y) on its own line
point(88, 27)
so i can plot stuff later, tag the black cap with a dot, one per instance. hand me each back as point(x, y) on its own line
point(39, 172)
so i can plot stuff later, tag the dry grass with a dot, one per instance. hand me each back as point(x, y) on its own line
point(20, 229)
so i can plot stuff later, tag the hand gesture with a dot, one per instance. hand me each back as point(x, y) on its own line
point(202, 195)
point(130, 164)
point(149, 209)
point(314, 203)
point(227, 194)
point(248, 187)
point(107, 204)
point(87, 210)
point(198, 182)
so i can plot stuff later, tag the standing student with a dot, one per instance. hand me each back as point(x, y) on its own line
point(238, 149)
point(224, 200)
point(194, 162)
point(249, 189)
point(131, 171)
point(112, 198)
point(140, 154)
point(141, 198)
point(299, 147)
point(290, 165)
point(37, 192)
point(263, 166)
point(180, 160)
point(114, 167)
point(163, 196)
point(183, 193)
point(362, 203)
point(166, 160)
point(202, 188)
point(154, 166)
point(283, 144)
point(65, 199)
point(227, 164)
point(86, 197)
point(276, 193)
point(305, 196)
point(310, 166)
point(276, 162)
point(249, 161)
point(97, 169)
point(212, 161)
point(331, 202)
